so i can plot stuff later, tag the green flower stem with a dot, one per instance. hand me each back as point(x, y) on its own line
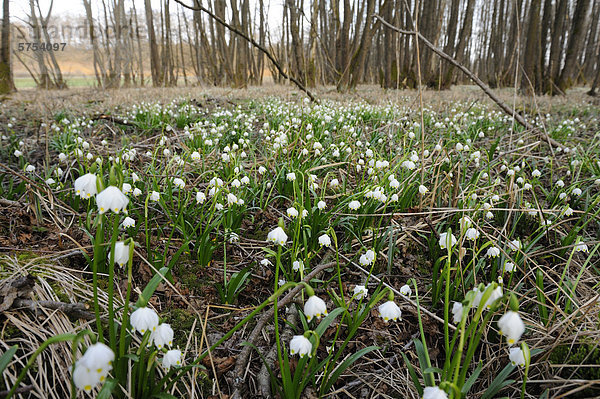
point(97, 255)
point(125, 322)
point(428, 376)
point(275, 310)
point(447, 293)
point(111, 286)
point(44, 345)
point(337, 264)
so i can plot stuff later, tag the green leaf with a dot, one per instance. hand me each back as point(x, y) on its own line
point(7, 357)
point(499, 382)
point(107, 389)
point(345, 364)
point(413, 375)
point(469, 383)
point(151, 287)
point(423, 363)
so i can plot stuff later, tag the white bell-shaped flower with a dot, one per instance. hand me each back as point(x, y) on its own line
point(434, 393)
point(277, 236)
point(85, 186)
point(511, 326)
point(389, 311)
point(111, 198)
point(354, 205)
point(300, 345)
point(315, 307)
point(162, 335)
point(516, 357)
point(457, 312)
point(121, 253)
point(324, 240)
point(144, 319)
point(443, 239)
point(360, 292)
point(406, 290)
point(172, 359)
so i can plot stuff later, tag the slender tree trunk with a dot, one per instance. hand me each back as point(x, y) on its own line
point(154, 57)
point(575, 43)
point(7, 84)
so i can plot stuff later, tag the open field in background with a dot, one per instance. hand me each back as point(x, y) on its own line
point(363, 199)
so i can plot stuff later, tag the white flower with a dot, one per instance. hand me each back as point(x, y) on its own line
point(494, 296)
point(389, 311)
point(324, 240)
point(50, 181)
point(360, 292)
point(472, 233)
point(536, 173)
point(315, 306)
point(511, 326)
point(155, 196)
point(423, 189)
point(577, 192)
point(334, 183)
point(493, 252)
point(300, 345)
point(93, 367)
point(121, 253)
point(354, 205)
point(245, 180)
point(128, 222)
point(18, 153)
point(277, 236)
point(232, 199)
point(292, 212)
point(179, 183)
point(291, 176)
point(172, 359)
point(560, 183)
point(509, 267)
point(137, 192)
point(62, 157)
point(144, 319)
point(126, 188)
point(405, 290)
point(30, 168)
point(321, 205)
point(262, 170)
point(514, 245)
point(195, 156)
point(111, 198)
point(457, 312)
point(367, 258)
point(581, 247)
point(161, 336)
point(443, 239)
point(85, 186)
point(516, 357)
point(434, 393)
point(298, 265)
point(200, 197)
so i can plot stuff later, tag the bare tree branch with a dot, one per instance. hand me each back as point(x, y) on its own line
point(486, 89)
point(199, 7)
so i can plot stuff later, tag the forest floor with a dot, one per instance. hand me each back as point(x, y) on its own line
point(229, 165)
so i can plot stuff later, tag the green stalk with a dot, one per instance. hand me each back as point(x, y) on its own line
point(112, 334)
point(44, 345)
point(428, 376)
point(125, 322)
point(97, 255)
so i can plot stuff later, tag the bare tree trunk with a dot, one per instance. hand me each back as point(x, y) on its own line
point(7, 84)
point(154, 60)
point(576, 38)
point(531, 80)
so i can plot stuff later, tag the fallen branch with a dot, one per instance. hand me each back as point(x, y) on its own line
point(486, 89)
point(76, 310)
point(19, 390)
point(111, 118)
point(199, 7)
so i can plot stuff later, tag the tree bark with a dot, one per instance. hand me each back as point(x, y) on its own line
point(7, 83)
point(576, 38)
